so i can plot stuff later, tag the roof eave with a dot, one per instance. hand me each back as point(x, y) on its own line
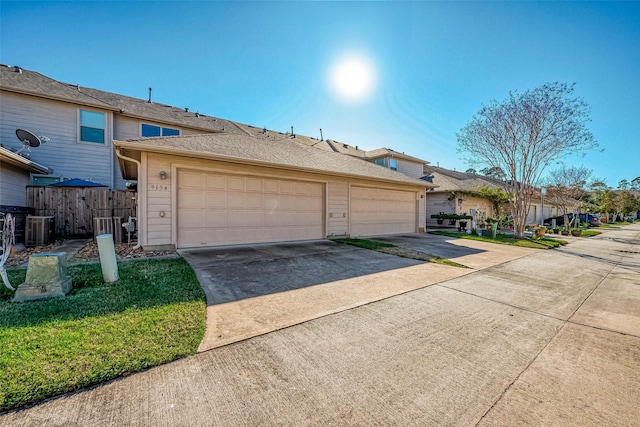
point(24, 163)
point(98, 104)
point(240, 160)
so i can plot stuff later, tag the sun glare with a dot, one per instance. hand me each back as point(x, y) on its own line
point(353, 78)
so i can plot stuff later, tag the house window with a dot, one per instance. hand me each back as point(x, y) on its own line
point(379, 162)
point(91, 127)
point(393, 164)
point(152, 130)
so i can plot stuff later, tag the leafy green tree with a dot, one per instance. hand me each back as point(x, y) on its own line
point(522, 135)
point(606, 200)
point(498, 198)
point(624, 185)
point(628, 202)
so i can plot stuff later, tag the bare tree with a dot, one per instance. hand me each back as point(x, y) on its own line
point(565, 186)
point(522, 135)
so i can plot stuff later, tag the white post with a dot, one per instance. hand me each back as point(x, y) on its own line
point(107, 252)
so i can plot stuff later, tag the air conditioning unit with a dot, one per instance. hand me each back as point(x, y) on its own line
point(39, 230)
point(108, 225)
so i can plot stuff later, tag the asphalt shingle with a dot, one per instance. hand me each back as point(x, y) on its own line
point(266, 150)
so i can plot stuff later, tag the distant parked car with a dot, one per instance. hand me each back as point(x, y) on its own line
point(591, 219)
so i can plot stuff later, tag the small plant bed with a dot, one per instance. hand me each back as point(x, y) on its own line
point(507, 239)
point(590, 233)
point(154, 314)
point(390, 249)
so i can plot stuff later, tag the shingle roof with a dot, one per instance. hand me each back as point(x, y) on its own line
point(19, 80)
point(322, 144)
point(156, 112)
point(274, 152)
point(449, 180)
point(16, 79)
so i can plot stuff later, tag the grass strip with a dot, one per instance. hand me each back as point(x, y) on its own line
point(390, 249)
point(507, 239)
point(154, 314)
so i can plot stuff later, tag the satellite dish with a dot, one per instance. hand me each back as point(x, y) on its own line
point(29, 140)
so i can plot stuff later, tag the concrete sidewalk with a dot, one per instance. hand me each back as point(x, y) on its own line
point(551, 338)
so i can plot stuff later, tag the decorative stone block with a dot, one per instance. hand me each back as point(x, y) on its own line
point(46, 277)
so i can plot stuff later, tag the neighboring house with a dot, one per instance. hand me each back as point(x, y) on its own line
point(225, 189)
point(15, 171)
point(452, 194)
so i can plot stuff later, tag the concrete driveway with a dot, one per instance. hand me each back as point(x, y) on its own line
point(552, 338)
point(250, 289)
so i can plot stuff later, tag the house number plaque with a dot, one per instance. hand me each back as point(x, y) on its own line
point(159, 187)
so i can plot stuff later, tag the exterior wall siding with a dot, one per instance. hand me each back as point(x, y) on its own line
point(68, 157)
point(161, 206)
point(414, 170)
point(13, 185)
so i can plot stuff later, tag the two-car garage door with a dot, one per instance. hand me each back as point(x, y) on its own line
point(219, 209)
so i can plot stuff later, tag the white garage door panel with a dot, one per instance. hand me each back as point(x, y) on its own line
point(376, 211)
point(216, 209)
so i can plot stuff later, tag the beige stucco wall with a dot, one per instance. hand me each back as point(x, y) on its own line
point(158, 197)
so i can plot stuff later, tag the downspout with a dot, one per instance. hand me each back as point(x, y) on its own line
point(137, 162)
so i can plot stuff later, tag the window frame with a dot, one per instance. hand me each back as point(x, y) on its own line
point(103, 129)
point(393, 164)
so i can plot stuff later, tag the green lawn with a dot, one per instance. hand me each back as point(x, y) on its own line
point(154, 314)
point(507, 239)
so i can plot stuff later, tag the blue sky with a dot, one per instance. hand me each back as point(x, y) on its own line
point(268, 64)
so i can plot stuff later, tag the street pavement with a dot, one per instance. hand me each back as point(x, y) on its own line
point(545, 338)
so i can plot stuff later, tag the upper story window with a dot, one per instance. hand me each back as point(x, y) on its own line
point(91, 126)
point(152, 130)
point(393, 164)
point(379, 162)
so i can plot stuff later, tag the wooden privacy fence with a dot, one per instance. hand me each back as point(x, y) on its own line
point(75, 208)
